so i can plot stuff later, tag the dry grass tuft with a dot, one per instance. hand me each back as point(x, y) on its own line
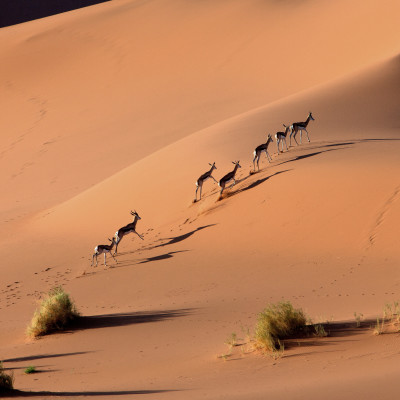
point(55, 312)
point(277, 322)
point(6, 381)
point(390, 321)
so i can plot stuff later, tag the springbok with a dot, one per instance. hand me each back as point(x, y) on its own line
point(281, 138)
point(204, 177)
point(300, 126)
point(104, 248)
point(262, 147)
point(121, 232)
point(228, 177)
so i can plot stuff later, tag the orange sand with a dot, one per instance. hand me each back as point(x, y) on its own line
point(121, 106)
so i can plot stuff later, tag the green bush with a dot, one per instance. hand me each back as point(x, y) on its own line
point(6, 381)
point(30, 370)
point(55, 312)
point(277, 322)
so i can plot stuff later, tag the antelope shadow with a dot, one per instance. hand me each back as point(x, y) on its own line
point(180, 238)
point(162, 256)
point(304, 156)
point(252, 185)
point(378, 140)
point(338, 144)
point(260, 181)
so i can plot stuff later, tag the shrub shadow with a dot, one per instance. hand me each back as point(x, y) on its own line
point(125, 319)
point(43, 356)
point(19, 393)
point(334, 330)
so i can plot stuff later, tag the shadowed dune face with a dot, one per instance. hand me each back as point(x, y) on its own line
point(16, 12)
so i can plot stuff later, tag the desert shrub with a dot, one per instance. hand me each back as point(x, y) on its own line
point(231, 341)
point(319, 330)
point(379, 327)
point(277, 322)
point(390, 319)
point(6, 380)
point(358, 318)
point(56, 310)
point(30, 370)
point(391, 313)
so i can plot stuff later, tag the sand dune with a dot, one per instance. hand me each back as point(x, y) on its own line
point(121, 106)
point(113, 83)
point(345, 112)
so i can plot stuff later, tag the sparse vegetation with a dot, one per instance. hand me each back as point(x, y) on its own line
point(55, 312)
point(390, 318)
point(30, 370)
point(277, 322)
point(358, 318)
point(6, 381)
point(281, 323)
point(391, 312)
point(226, 355)
point(379, 326)
point(320, 330)
point(231, 341)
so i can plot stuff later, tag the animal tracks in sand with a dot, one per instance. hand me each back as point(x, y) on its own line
point(380, 219)
point(15, 291)
point(10, 294)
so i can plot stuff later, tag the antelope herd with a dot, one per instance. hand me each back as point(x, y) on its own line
point(121, 232)
point(280, 137)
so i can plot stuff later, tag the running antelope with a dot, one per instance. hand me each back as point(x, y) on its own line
point(281, 138)
point(104, 248)
point(121, 232)
point(204, 177)
point(260, 149)
point(300, 126)
point(228, 177)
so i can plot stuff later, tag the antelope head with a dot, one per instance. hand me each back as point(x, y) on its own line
point(237, 163)
point(213, 165)
point(310, 115)
point(135, 214)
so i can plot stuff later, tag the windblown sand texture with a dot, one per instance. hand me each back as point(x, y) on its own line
point(121, 106)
